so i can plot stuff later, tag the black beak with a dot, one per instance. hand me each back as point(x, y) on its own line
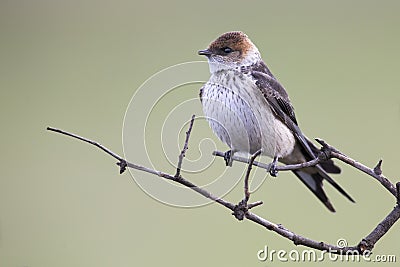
point(205, 52)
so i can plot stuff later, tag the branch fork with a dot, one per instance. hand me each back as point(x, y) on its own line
point(242, 209)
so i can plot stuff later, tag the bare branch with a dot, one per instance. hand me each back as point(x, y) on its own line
point(161, 174)
point(255, 204)
point(380, 230)
point(298, 239)
point(242, 207)
point(109, 152)
point(246, 178)
point(334, 153)
point(242, 159)
point(241, 210)
point(185, 147)
point(268, 166)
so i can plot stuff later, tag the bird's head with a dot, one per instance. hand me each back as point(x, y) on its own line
point(230, 51)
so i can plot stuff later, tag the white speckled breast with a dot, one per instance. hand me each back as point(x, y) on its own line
point(241, 117)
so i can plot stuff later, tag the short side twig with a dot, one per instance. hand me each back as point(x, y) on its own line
point(246, 177)
point(185, 147)
point(242, 207)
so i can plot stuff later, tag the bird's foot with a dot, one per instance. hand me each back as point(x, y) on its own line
point(272, 169)
point(228, 158)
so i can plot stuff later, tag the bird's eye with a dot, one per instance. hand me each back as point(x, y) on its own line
point(227, 50)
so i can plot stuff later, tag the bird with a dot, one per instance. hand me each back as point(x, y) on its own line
point(249, 110)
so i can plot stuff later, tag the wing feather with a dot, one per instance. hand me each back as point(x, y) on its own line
point(278, 99)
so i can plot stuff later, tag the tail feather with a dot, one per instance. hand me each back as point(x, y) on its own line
point(313, 177)
point(314, 182)
point(329, 166)
point(325, 176)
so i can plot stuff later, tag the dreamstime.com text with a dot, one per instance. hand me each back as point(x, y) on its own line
point(310, 255)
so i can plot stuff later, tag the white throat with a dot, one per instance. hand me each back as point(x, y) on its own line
point(252, 57)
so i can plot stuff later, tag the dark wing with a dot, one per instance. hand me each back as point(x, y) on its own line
point(279, 101)
point(277, 97)
point(269, 86)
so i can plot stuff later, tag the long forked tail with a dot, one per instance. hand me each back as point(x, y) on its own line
point(313, 181)
point(312, 177)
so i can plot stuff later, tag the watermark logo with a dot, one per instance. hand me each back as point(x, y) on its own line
point(311, 255)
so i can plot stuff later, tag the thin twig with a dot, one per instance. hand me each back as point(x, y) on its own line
point(365, 244)
point(242, 207)
point(185, 147)
point(255, 204)
point(246, 178)
point(380, 230)
point(109, 152)
point(298, 239)
point(268, 166)
point(334, 153)
point(164, 175)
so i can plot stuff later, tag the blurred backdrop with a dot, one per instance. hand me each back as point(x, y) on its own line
point(76, 64)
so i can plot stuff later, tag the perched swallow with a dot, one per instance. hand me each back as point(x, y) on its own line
point(248, 109)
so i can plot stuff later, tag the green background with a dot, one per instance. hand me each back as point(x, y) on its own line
point(76, 64)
